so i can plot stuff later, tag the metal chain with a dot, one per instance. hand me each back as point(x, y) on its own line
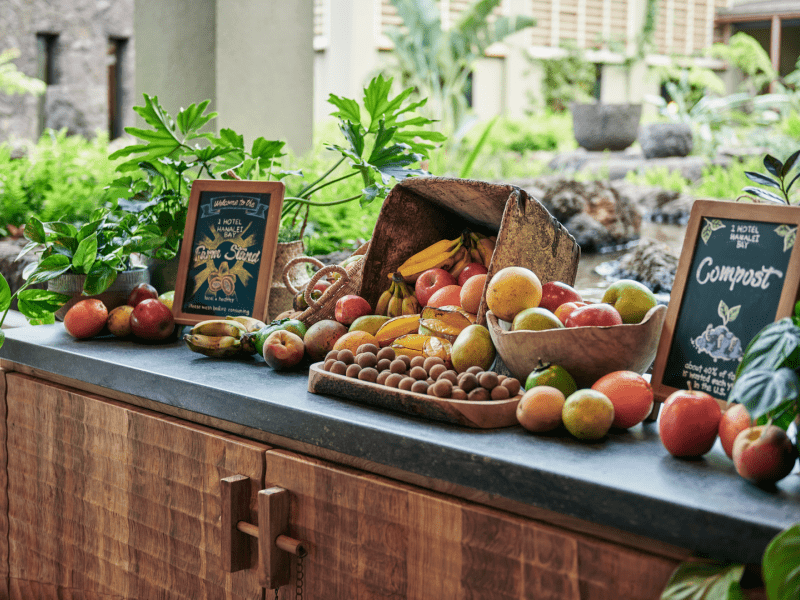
point(298, 592)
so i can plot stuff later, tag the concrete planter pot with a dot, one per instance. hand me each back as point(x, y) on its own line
point(117, 294)
point(600, 126)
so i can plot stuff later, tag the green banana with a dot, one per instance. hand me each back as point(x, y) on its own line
point(219, 327)
point(218, 346)
point(251, 324)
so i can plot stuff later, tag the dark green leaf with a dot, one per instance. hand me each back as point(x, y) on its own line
point(791, 183)
point(88, 229)
point(789, 164)
point(5, 294)
point(61, 228)
point(765, 391)
point(704, 581)
point(781, 565)
point(773, 165)
point(49, 268)
point(369, 194)
point(34, 231)
point(85, 255)
point(38, 304)
point(763, 179)
point(776, 345)
point(765, 195)
point(2, 337)
point(99, 278)
point(353, 135)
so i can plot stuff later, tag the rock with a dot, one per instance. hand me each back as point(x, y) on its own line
point(651, 263)
point(660, 140)
point(590, 235)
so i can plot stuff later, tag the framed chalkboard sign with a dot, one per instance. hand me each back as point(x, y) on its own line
point(739, 270)
point(228, 250)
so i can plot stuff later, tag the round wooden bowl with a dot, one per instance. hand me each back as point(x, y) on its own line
point(587, 353)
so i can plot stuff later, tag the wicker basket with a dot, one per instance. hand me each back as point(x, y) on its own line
point(324, 307)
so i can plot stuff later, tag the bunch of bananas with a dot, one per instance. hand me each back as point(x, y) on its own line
point(398, 300)
point(481, 248)
point(222, 338)
point(450, 255)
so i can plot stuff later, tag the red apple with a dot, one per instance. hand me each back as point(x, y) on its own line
point(594, 314)
point(763, 454)
point(350, 307)
point(142, 291)
point(734, 420)
point(563, 311)
point(556, 293)
point(470, 270)
point(322, 285)
point(689, 422)
point(151, 319)
point(283, 349)
point(431, 281)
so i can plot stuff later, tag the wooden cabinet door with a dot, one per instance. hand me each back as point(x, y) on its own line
point(106, 500)
point(370, 537)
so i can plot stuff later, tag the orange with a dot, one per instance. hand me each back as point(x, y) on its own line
point(539, 409)
point(353, 339)
point(449, 295)
point(511, 290)
point(86, 318)
point(630, 393)
point(471, 293)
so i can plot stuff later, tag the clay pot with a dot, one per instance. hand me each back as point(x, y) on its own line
point(587, 353)
point(117, 294)
point(601, 126)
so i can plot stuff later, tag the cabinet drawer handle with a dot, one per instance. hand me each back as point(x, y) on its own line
point(274, 546)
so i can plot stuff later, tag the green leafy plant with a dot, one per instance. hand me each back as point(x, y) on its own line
point(568, 78)
point(781, 173)
point(13, 81)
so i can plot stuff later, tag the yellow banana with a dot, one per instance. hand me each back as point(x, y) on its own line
point(383, 301)
point(218, 346)
point(395, 308)
point(440, 255)
point(219, 327)
point(486, 248)
point(409, 305)
point(463, 258)
point(251, 324)
point(475, 256)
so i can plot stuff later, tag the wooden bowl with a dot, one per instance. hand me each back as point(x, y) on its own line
point(587, 353)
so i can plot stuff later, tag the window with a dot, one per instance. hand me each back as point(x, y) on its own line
point(116, 55)
point(46, 68)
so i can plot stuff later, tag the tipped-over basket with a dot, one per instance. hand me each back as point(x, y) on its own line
point(587, 353)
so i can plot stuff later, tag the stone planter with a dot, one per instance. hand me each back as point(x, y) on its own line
point(117, 294)
point(602, 126)
point(280, 297)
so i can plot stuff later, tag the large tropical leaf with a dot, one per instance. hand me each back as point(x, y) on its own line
point(781, 565)
point(764, 391)
point(705, 581)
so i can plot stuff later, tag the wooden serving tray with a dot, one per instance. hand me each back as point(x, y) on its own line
point(491, 414)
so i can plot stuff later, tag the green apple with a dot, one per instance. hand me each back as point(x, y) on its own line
point(631, 299)
point(552, 375)
point(535, 319)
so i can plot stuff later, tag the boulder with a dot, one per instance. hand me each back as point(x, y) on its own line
point(652, 263)
point(661, 140)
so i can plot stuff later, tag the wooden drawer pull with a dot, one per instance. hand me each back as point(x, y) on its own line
point(274, 546)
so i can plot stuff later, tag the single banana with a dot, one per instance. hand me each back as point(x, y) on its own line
point(440, 255)
point(475, 256)
point(251, 324)
point(409, 305)
point(219, 327)
point(486, 248)
point(218, 346)
point(383, 301)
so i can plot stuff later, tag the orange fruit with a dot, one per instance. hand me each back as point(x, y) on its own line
point(511, 290)
point(630, 393)
point(539, 409)
point(471, 293)
point(353, 339)
point(449, 295)
point(86, 318)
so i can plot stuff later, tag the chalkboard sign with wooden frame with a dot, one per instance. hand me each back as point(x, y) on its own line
point(228, 250)
point(739, 270)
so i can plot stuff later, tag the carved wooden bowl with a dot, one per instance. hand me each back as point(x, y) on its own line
point(587, 353)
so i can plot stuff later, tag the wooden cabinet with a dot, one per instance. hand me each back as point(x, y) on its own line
point(106, 500)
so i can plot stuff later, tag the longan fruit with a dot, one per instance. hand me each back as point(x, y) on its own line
point(418, 373)
point(430, 380)
point(328, 364)
point(479, 394)
point(387, 353)
point(333, 354)
point(406, 359)
point(442, 388)
point(397, 366)
point(406, 383)
point(371, 348)
point(450, 376)
point(352, 370)
point(458, 394)
point(488, 380)
point(501, 378)
point(368, 374)
point(393, 379)
point(500, 392)
point(383, 364)
point(431, 361)
point(468, 382)
point(513, 385)
point(436, 370)
point(338, 368)
point(420, 387)
point(366, 360)
point(382, 377)
point(346, 356)
point(417, 361)
point(474, 370)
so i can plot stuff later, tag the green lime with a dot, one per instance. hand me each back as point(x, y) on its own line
point(553, 375)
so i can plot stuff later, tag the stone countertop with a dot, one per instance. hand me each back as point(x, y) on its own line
point(626, 481)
